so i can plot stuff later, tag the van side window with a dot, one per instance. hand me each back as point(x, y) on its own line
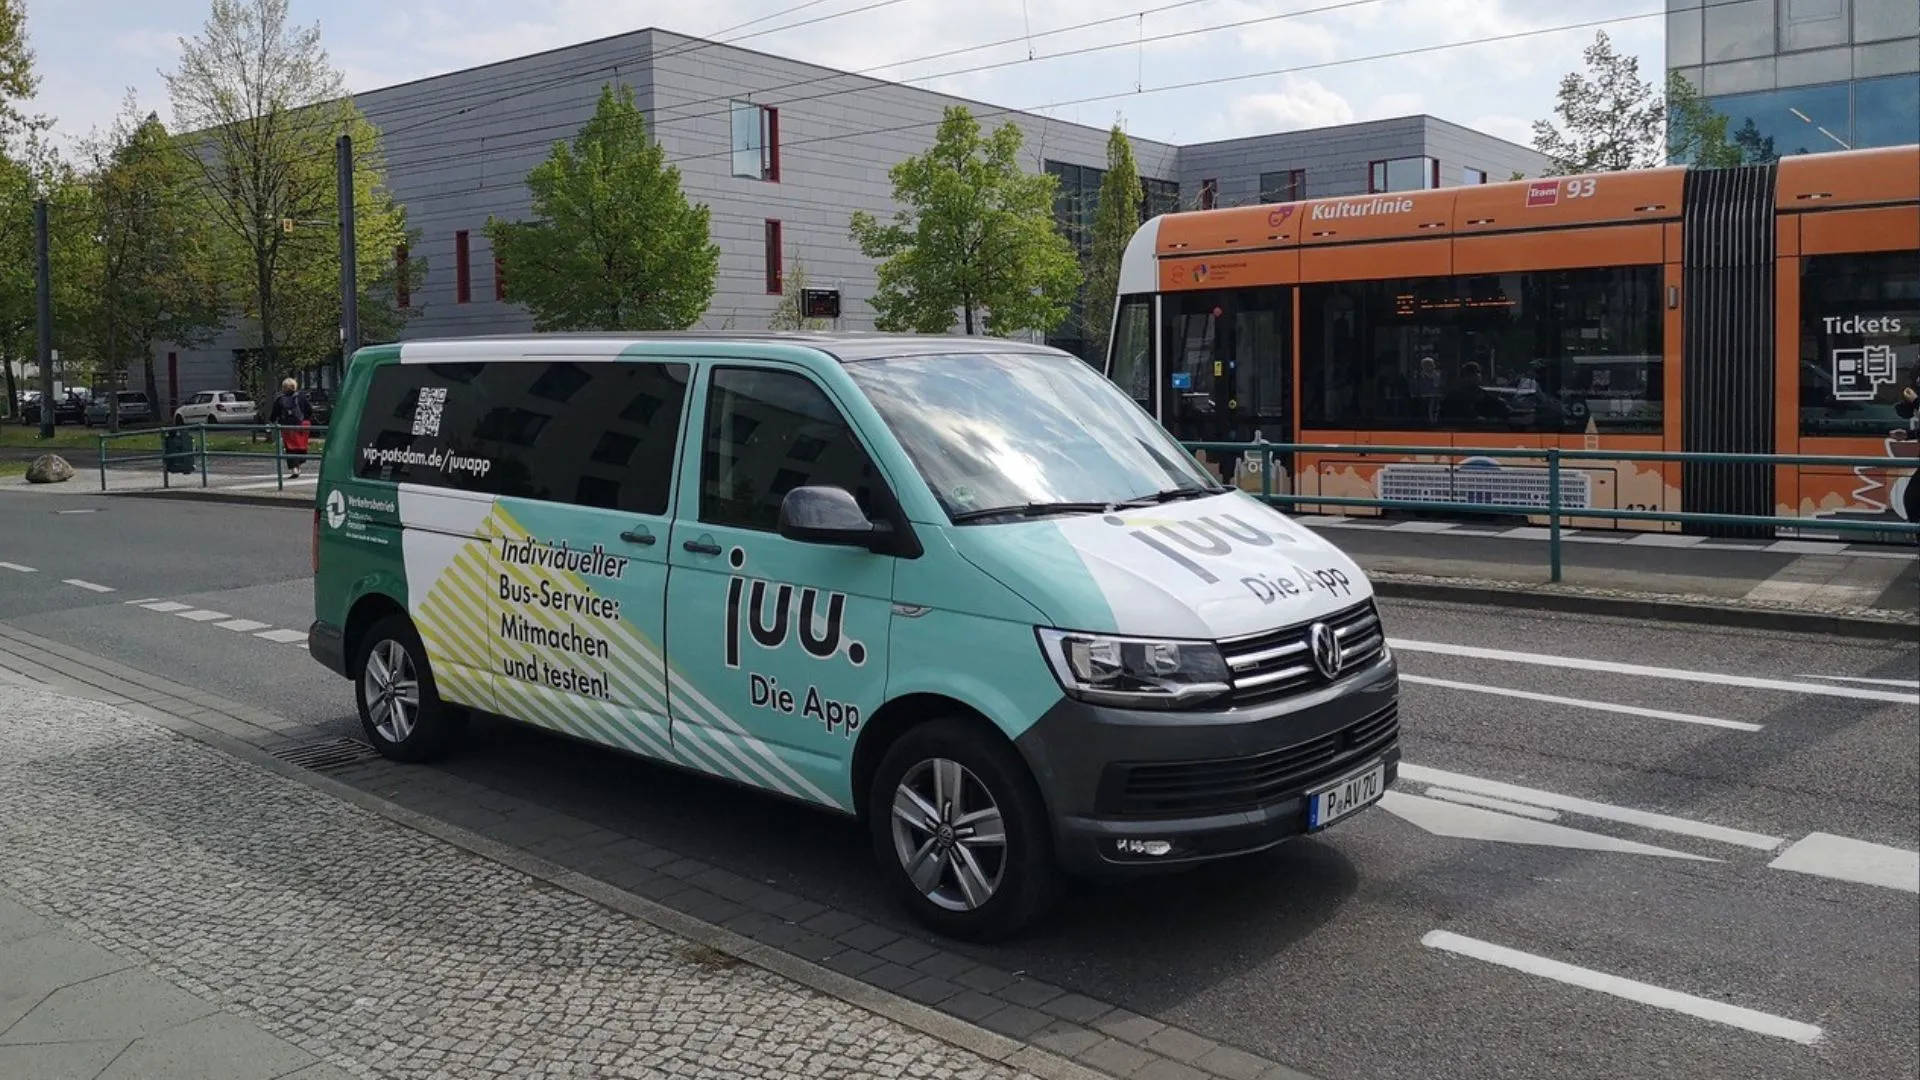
point(768, 432)
point(598, 434)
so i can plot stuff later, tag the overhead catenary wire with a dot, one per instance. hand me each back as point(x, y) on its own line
point(846, 136)
point(414, 166)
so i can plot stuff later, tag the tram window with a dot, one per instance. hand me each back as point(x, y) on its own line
point(1132, 364)
point(1533, 351)
point(1859, 341)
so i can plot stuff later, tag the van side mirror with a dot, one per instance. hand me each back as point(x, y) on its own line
point(829, 515)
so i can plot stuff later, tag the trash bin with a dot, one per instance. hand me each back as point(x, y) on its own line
point(177, 446)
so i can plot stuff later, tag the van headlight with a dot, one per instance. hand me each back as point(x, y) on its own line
point(1135, 673)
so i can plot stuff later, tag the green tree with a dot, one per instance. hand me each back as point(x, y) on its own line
point(312, 309)
point(30, 172)
point(1116, 218)
point(1611, 119)
point(1696, 132)
point(156, 278)
point(791, 312)
point(614, 243)
point(976, 236)
point(17, 78)
point(263, 107)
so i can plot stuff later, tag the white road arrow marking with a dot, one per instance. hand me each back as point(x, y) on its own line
point(1420, 774)
point(1829, 856)
point(1472, 823)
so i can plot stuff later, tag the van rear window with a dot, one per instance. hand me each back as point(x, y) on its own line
point(589, 433)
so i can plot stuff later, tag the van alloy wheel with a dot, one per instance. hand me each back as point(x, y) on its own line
point(392, 690)
point(949, 835)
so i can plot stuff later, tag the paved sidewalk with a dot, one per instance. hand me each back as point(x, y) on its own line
point(71, 1010)
point(178, 912)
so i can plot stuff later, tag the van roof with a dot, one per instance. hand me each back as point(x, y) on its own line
point(847, 346)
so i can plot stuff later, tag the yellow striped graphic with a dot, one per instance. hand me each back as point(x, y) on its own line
point(459, 621)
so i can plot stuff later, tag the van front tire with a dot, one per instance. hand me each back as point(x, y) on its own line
point(400, 707)
point(961, 832)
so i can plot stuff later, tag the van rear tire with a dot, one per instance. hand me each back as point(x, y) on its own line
point(981, 780)
point(399, 702)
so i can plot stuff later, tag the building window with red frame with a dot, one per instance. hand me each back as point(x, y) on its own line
point(462, 273)
point(776, 269)
point(756, 141)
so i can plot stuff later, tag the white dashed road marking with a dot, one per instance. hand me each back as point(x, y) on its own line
point(285, 637)
point(1658, 997)
point(242, 626)
point(17, 567)
point(88, 585)
point(164, 606)
point(203, 615)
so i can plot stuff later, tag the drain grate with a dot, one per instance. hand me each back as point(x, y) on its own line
point(331, 754)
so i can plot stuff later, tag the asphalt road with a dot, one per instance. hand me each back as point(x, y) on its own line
point(1423, 938)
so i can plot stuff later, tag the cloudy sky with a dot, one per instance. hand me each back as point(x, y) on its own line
point(1309, 62)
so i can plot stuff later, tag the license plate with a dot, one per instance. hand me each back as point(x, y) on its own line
point(1351, 792)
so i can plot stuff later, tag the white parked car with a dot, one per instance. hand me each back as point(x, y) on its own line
point(218, 407)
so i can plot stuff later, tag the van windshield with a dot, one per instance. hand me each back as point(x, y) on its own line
point(999, 435)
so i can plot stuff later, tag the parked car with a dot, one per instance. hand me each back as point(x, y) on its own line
point(134, 409)
point(322, 403)
point(68, 408)
point(218, 407)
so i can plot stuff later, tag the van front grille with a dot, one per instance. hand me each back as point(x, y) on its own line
point(1279, 663)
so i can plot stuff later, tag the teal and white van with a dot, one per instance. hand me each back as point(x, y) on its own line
point(962, 588)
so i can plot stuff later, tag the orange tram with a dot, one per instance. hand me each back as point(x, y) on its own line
point(1764, 309)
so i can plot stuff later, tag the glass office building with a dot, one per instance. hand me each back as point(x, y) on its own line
point(1803, 76)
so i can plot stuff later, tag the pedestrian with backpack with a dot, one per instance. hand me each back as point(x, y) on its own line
point(294, 414)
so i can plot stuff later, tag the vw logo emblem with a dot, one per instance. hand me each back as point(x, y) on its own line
point(1326, 649)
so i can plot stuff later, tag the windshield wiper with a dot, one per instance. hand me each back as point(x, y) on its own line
point(1176, 494)
point(1037, 509)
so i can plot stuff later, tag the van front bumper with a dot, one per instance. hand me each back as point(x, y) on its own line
point(1131, 791)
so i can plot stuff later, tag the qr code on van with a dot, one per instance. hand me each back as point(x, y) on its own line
point(426, 414)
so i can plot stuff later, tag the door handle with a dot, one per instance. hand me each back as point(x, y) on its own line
point(701, 547)
point(638, 536)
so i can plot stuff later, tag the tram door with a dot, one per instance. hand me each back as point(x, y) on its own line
point(1226, 376)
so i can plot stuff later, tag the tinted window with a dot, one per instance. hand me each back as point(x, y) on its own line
point(1859, 341)
point(768, 432)
point(590, 434)
point(1539, 351)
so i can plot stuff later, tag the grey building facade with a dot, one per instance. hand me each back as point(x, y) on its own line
point(1803, 76)
point(784, 153)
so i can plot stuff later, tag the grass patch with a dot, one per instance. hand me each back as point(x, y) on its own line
point(83, 443)
point(13, 468)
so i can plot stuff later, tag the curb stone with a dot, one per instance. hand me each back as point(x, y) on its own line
point(1874, 623)
point(137, 694)
point(302, 501)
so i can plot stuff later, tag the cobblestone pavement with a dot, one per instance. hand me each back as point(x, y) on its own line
point(380, 950)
